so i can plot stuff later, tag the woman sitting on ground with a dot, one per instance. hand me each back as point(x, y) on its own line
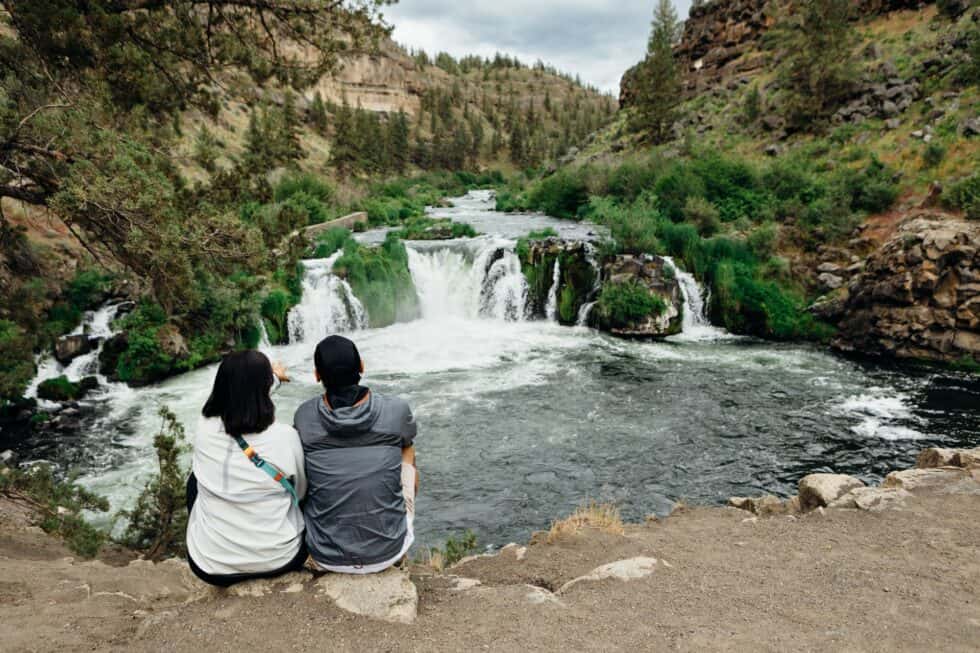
point(247, 480)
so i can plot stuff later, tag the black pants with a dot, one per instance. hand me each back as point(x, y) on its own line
point(296, 564)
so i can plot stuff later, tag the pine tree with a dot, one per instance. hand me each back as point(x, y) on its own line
point(818, 71)
point(343, 154)
point(288, 146)
point(398, 142)
point(318, 114)
point(659, 86)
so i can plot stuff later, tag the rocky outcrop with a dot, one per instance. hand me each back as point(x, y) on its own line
point(821, 490)
point(577, 277)
point(68, 348)
point(918, 296)
point(650, 273)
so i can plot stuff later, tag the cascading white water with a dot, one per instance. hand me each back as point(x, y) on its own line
point(695, 324)
point(471, 279)
point(96, 325)
point(551, 308)
point(586, 309)
point(583, 314)
point(328, 305)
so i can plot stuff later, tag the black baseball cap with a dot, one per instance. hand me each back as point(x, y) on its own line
point(338, 362)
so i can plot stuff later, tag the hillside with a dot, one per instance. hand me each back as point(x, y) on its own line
point(780, 213)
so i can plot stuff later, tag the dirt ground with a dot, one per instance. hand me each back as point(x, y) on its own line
point(905, 580)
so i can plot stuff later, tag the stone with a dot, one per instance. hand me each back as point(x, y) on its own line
point(970, 127)
point(893, 123)
point(389, 596)
point(830, 281)
point(966, 458)
point(935, 457)
point(889, 108)
point(763, 506)
point(625, 570)
point(872, 499)
point(831, 268)
point(286, 584)
point(820, 490)
point(773, 122)
point(924, 479)
point(7, 457)
point(773, 149)
point(68, 348)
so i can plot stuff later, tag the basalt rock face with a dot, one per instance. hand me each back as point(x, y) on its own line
point(919, 294)
point(577, 277)
point(721, 40)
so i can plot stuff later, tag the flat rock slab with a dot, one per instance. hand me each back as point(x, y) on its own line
point(821, 490)
point(286, 584)
point(927, 479)
point(388, 596)
point(873, 499)
point(629, 569)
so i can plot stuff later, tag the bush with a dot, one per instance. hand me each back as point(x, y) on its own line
point(158, 521)
point(762, 241)
point(933, 155)
point(964, 195)
point(704, 215)
point(144, 359)
point(381, 280)
point(59, 505)
point(627, 303)
point(61, 389)
point(872, 189)
point(306, 184)
point(331, 241)
point(315, 210)
point(275, 311)
point(560, 195)
point(542, 234)
point(88, 289)
point(16, 361)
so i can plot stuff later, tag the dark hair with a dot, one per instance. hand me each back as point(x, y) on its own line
point(240, 396)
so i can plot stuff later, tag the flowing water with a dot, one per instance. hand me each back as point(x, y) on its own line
point(521, 420)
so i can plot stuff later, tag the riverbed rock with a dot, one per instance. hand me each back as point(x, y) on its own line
point(388, 596)
point(820, 490)
point(68, 348)
point(287, 584)
point(577, 285)
point(915, 296)
point(763, 506)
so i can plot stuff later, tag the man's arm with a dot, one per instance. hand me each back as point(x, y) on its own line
point(408, 458)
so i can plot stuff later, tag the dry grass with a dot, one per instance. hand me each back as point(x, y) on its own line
point(594, 516)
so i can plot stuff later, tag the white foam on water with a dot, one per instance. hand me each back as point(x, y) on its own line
point(551, 308)
point(328, 305)
point(695, 325)
point(880, 413)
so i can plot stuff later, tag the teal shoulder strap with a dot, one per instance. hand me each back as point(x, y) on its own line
point(274, 472)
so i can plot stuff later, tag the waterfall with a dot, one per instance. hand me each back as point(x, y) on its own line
point(264, 343)
point(695, 324)
point(328, 305)
point(583, 314)
point(551, 309)
point(586, 309)
point(468, 279)
point(97, 325)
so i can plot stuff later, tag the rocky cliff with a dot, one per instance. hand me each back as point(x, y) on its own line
point(918, 295)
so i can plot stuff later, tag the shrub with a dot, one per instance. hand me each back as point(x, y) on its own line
point(560, 195)
point(381, 280)
point(306, 184)
point(331, 241)
point(627, 303)
point(455, 549)
point(59, 505)
point(872, 189)
point(964, 195)
point(61, 389)
point(675, 188)
point(762, 241)
point(315, 210)
point(704, 215)
point(88, 289)
point(933, 155)
point(144, 359)
point(631, 179)
point(16, 360)
point(542, 234)
point(602, 517)
point(275, 311)
point(158, 521)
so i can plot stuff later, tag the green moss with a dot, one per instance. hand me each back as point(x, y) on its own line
point(331, 241)
point(61, 389)
point(381, 280)
point(625, 304)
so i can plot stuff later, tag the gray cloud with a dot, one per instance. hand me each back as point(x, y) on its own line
point(597, 39)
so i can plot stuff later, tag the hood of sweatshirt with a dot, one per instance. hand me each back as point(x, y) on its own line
point(359, 418)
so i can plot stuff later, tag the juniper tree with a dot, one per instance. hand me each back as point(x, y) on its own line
point(658, 82)
point(318, 114)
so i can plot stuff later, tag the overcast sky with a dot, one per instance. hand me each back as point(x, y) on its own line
point(597, 39)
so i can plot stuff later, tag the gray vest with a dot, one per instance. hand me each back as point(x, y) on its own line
point(355, 511)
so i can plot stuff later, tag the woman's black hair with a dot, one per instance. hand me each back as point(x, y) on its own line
point(240, 396)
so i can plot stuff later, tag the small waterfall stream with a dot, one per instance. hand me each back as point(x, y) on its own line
point(695, 325)
point(551, 308)
point(328, 305)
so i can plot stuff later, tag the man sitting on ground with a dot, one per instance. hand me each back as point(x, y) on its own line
point(360, 464)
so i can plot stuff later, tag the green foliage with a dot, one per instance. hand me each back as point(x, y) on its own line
point(752, 105)
point(306, 184)
point(872, 189)
point(59, 505)
point(456, 548)
point(381, 280)
point(144, 359)
point(542, 234)
point(933, 155)
point(331, 241)
point(16, 361)
point(568, 303)
point(61, 389)
point(275, 311)
point(625, 304)
point(158, 521)
point(704, 215)
point(964, 195)
point(659, 84)
point(429, 229)
point(814, 42)
point(560, 195)
point(762, 241)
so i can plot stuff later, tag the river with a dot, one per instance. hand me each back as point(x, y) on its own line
point(521, 420)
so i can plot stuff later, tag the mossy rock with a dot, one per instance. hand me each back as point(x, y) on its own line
point(61, 389)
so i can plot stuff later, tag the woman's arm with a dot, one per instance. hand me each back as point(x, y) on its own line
point(408, 458)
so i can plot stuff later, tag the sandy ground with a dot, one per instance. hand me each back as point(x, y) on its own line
point(906, 580)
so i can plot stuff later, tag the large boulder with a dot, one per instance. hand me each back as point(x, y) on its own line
point(821, 490)
point(388, 596)
point(917, 480)
point(651, 276)
point(939, 457)
point(68, 348)
point(917, 296)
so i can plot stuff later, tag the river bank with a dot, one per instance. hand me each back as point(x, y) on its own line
point(706, 578)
